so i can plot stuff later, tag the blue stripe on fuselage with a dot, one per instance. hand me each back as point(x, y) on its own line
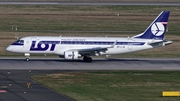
point(101, 43)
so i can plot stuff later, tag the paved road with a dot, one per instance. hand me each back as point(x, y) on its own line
point(91, 3)
point(97, 64)
point(18, 90)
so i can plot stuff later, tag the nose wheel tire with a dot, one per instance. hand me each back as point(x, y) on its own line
point(27, 59)
point(87, 59)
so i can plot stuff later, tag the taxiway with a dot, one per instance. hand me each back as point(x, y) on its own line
point(13, 87)
point(97, 64)
point(15, 73)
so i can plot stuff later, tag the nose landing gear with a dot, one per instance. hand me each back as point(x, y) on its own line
point(27, 55)
point(27, 59)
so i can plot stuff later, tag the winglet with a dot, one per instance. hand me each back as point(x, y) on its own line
point(112, 46)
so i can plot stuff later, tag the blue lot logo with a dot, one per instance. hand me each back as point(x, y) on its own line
point(43, 45)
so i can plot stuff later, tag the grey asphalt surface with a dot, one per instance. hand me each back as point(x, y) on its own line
point(19, 73)
point(97, 64)
point(18, 90)
point(92, 3)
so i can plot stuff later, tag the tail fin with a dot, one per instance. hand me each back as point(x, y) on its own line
point(157, 28)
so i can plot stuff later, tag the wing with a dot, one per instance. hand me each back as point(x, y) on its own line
point(94, 50)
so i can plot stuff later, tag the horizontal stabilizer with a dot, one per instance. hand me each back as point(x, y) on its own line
point(165, 42)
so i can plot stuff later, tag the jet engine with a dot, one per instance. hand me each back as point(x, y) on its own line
point(71, 55)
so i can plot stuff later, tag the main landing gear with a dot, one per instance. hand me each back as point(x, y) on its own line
point(87, 59)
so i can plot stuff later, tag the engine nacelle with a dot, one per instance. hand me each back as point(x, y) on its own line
point(71, 55)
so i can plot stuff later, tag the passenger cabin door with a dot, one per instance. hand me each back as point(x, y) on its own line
point(27, 44)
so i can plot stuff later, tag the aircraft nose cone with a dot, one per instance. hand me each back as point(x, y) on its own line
point(9, 48)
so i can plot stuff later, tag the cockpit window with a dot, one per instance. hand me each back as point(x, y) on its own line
point(18, 42)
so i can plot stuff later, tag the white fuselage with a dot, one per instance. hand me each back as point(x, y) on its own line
point(58, 45)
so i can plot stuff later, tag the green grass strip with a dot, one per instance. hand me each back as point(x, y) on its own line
point(114, 85)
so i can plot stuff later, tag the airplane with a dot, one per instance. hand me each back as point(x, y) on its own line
point(73, 48)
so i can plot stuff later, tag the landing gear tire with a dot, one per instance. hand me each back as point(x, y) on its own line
point(27, 59)
point(87, 59)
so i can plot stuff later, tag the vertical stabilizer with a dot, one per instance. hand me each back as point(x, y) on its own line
point(157, 28)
